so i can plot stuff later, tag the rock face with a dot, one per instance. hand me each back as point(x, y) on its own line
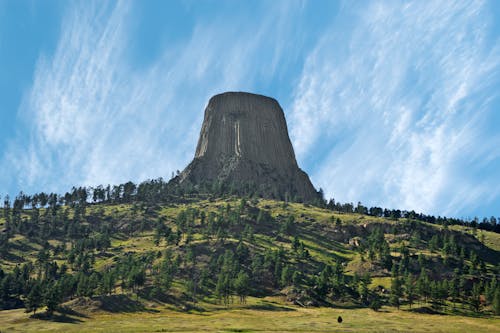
point(244, 148)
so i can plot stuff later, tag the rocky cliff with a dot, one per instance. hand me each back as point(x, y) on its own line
point(244, 148)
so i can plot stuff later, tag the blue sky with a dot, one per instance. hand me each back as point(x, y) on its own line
point(391, 103)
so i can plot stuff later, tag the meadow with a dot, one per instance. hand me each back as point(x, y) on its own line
point(258, 315)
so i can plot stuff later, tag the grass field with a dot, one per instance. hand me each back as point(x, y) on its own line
point(258, 315)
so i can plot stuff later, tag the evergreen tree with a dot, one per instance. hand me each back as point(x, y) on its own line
point(107, 283)
point(52, 298)
point(434, 243)
point(396, 292)
point(286, 276)
point(491, 289)
point(410, 290)
point(34, 298)
point(496, 302)
point(423, 284)
point(297, 278)
point(475, 298)
point(375, 303)
point(242, 286)
point(223, 288)
point(455, 288)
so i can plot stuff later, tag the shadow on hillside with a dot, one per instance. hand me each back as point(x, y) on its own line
point(121, 303)
point(178, 303)
point(22, 246)
point(120, 236)
point(315, 237)
point(64, 310)
point(448, 311)
point(488, 254)
point(59, 318)
point(9, 256)
point(265, 306)
point(426, 310)
point(348, 306)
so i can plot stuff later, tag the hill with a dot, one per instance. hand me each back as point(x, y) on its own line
point(203, 253)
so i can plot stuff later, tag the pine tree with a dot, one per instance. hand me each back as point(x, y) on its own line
point(475, 299)
point(223, 288)
point(455, 289)
point(410, 290)
point(296, 278)
point(375, 303)
point(496, 302)
point(286, 276)
point(490, 290)
point(241, 286)
point(396, 292)
point(34, 299)
point(52, 298)
point(423, 284)
point(434, 243)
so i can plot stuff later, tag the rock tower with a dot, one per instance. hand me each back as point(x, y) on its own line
point(244, 148)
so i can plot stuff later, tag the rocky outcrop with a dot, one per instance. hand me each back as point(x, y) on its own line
point(244, 147)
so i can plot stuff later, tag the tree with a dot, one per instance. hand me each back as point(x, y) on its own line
point(455, 288)
point(496, 302)
point(423, 284)
point(136, 278)
point(364, 292)
point(490, 290)
point(287, 226)
point(410, 290)
point(4, 244)
point(323, 282)
point(34, 299)
point(107, 283)
point(223, 288)
point(192, 287)
point(296, 243)
point(241, 286)
point(296, 278)
point(436, 294)
point(52, 298)
point(475, 299)
point(375, 303)
point(286, 276)
point(434, 243)
point(396, 292)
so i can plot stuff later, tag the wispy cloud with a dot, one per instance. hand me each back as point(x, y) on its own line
point(393, 103)
point(93, 118)
point(394, 106)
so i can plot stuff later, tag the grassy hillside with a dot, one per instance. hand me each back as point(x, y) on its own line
point(175, 266)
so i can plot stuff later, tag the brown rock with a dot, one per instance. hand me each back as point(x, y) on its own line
point(244, 147)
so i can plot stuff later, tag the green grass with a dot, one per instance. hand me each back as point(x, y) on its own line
point(491, 239)
point(381, 281)
point(256, 316)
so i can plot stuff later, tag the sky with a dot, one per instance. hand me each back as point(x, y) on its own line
point(390, 103)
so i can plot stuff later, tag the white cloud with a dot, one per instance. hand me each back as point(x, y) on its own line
point(95, 119)
point(393, 101)
point(392, 106)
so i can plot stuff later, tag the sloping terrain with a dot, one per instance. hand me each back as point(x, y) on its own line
point(200, 255)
